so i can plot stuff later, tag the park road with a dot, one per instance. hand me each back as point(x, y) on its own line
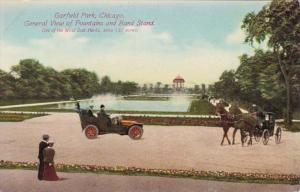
point(161, 147)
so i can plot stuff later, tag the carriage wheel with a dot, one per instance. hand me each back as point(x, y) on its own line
point(278, 135)
point(266, 137)
point(135, 132)
point(91, 131)
point(257, 138)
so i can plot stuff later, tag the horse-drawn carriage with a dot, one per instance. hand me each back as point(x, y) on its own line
point(266, 129)
point(93, 126)
point(260, 125)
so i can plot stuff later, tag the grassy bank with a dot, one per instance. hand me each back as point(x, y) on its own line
point(41, 108)
point(263, 178)
point(175, 121)
point(4, 102)
point(201, 106)
point(16, 117)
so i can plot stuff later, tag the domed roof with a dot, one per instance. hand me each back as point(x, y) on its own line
point(178, 79)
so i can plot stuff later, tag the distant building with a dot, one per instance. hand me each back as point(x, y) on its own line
point(178, 83)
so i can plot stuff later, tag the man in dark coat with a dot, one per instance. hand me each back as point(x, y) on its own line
point(102, 111)
point(43, 144)
point(104, 117)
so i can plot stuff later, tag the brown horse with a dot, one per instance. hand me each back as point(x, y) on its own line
point(225, 121)
point(228, 120)
point(247, 124)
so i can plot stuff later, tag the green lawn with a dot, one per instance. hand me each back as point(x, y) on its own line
point(42, 108)
point(4, 102)
point(16, 117)
point(201, 106)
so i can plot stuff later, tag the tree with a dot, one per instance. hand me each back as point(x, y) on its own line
point(58, 88)
point(117, 87)
point(196, 89)
point(227, 86)
point(248, 74)
point(278, 25)
point(31, 82)
point(157, 87)
point(260, 81)
point(83, 83)
point(150, 87)
point(166, 88)
point(106, 85)
point(6, 89)
point(203, 89)
point(145, 88)
point(210, 89)
point(129, 87)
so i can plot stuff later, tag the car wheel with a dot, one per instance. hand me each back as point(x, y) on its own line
point(91, 131)
point(135, 132)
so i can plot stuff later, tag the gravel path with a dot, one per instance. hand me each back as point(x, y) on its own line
point(25, 181)
point(177, 147)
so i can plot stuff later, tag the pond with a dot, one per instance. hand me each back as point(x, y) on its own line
point(174, 104)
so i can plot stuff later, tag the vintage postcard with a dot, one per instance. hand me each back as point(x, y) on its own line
point(149, 95)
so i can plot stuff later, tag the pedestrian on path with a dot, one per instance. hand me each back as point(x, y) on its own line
point(43, 144)
point(49, 169)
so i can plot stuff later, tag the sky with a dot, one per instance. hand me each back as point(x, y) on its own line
point(196, 39)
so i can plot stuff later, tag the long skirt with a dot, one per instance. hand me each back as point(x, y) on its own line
point(49, 173)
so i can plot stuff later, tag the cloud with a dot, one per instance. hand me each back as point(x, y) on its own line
point(11, 54)
point(236, 37)
point(155, 56)
point(60, 51)
point(146, 56)
point(208, 62)
point(144, 38)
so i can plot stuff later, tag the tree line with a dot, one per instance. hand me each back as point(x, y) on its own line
point(31, 80)
point(160, 88)
point(269, 78)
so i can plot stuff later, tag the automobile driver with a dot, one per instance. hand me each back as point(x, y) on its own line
point(102, 113)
